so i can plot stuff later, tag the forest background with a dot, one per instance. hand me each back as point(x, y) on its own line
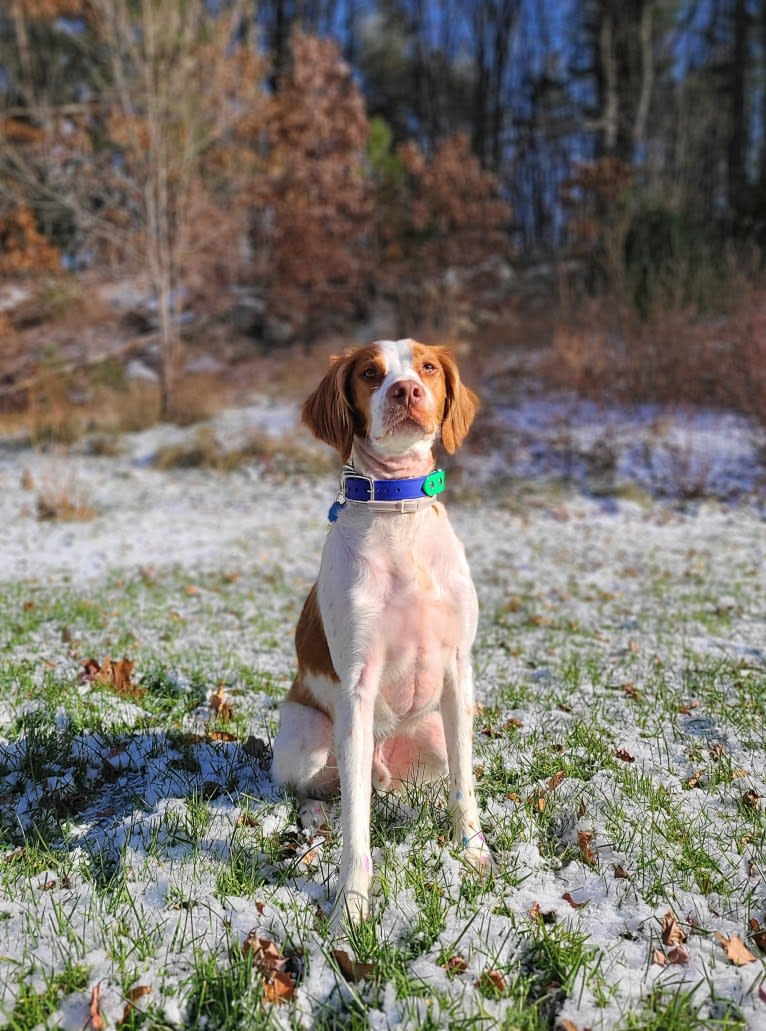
point(191, 187)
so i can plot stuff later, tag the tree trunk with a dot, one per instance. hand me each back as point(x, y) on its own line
point(737, 143)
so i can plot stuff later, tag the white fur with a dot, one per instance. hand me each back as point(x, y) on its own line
point(399, 612)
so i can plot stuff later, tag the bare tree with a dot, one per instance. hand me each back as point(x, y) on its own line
point(175, 92)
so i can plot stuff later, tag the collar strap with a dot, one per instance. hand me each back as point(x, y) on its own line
point(357, 487)
point(399, 496)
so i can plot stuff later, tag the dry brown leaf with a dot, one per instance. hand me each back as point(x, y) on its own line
point(115, 674)
point(278, 982)
point(352, 969)
point(221, 735)
point(543, 916)
point(696, 777)
point(678, 954)
point(567, 897)
point(620, 872)
point(626, 757)
point(672, 934)
point(135, 993)
point(219, 704)
point(584, 839)
point(736, 949)
point(456, 965)
point(751, 799)
point(758, 933)
point(492, 979)
point(259, 750)
point(95, 1020)
point(279, 987)
point(659, 959)
point(555, 780)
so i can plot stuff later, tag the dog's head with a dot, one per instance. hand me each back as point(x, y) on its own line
point(399, 396)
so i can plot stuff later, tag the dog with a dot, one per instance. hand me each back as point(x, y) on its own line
point(384, 690)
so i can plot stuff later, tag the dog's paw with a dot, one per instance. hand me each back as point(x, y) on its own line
point(351, 908)
point(312, 815)
point(476, 854)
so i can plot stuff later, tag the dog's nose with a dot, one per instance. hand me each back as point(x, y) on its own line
point(406, 392)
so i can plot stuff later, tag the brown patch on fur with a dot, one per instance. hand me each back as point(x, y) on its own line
point(310, 639)
point(460, 406)
point(328, 412)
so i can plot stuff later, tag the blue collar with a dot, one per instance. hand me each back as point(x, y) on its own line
point(404, 495)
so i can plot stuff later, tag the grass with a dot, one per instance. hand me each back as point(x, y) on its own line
point(619, 765)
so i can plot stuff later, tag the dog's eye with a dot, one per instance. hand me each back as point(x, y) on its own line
point(428, 367)
point(370, 372)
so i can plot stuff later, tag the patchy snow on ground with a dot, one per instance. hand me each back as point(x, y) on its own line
point(621, 759)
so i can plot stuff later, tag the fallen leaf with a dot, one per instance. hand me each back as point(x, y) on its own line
point(352, 969)
point(114, 674)
point(489, 731)
point(621, 872)
point(659, 958)
point(219, 704)
point(278, 981)
point(672, 934)
point(695, 778)
point(584, 839)
point(135, 993)
point(95, 1020)
point(678, 954)
point(543, 916)
point(280, 987)
point(736, 949)
point(567, 897)
point(492, 979)
point(259, 750)
point(456, 965)
point(47, 885)
point(266, 955)
point(751, 799)
point(555, 780)
point(759, 933)
point(626, 757)
point(513, 724)
point(221, 735)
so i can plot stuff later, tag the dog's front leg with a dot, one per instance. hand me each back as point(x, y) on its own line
point(457, 714)
point(354, 748)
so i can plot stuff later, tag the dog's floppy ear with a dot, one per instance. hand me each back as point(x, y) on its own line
point(460, 406)
point(328, 412)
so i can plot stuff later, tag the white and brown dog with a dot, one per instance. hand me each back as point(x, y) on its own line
point(384, 690)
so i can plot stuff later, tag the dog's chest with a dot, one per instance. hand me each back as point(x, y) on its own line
point(406, 604)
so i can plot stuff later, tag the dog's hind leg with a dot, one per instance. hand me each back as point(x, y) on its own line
point(304, 760)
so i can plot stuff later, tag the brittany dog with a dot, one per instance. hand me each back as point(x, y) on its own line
point(384, 691)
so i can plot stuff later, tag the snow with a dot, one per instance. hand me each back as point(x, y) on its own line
point(558, 572)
